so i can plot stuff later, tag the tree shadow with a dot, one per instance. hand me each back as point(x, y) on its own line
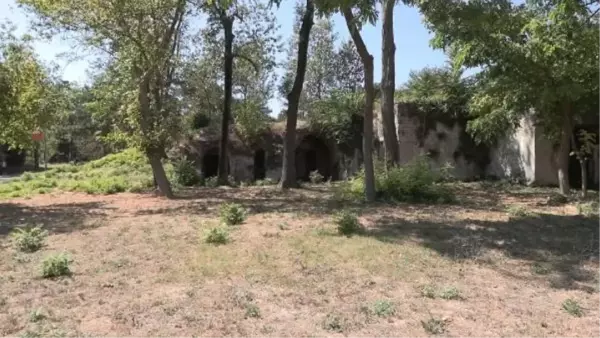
point(560, 244)
point(57, 218)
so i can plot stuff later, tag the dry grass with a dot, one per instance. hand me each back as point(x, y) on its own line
point(141, 268)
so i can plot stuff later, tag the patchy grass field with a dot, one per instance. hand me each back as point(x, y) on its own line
point(500, 262)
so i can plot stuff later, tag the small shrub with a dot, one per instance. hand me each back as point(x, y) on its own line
point(572, 307)
point(383, 308)
point(557, 199)
point(36, 315)
point(217, 236)
point(588, 209)
point(211, 182)
point(56, 265)
point(265, 182)
point(252, 311)
point(434, 326)
point(185, 173)
point(518, 211)
point(333, 322)
point(316, 177)
point(232, 214)
point(27, 177)
point(428, 291)
point(29, 239)
point(450, 293)
point(347, 223)
point(540, 268)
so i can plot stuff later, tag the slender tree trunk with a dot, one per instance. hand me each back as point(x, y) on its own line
point(36, 155)
point(583, 178)
point(228, 70)
point(563, 155)
point(367, 60)
point(152, 151)
point(288, 170)
point(388, 84)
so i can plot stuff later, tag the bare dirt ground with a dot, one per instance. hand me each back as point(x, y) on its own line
point(140, 267)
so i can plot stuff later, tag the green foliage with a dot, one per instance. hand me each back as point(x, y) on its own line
point(232, 214)
point(185, 173)
point(587, 144)
point(56, 265)
point(29, 239)
point(518, 211)
point(572, 307)
point(217, 236)
point(125, 171)
point(428, 291)
point(211, 182)
point(347, 223)
point(588, 208)
point(434, 325)
point(316, 177)
point(339, 116)
point(266, 181)
point(36, 315)
point(383, 308)
point(413, 182)
point(450, 293)
point(252, 311)
point(251, 120)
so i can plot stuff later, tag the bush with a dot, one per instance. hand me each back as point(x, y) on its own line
point(266, 181)
point(29, 239)
point(572, 307)
point(414, 182)
point(232, 214)
point(316, 177)
point(216, 236)
point(56, 265)
point(434, 326)
point(212, 182)
point(347, 223)
point(383, 308)
point(185, 173)
point(588, 209)
point(450, 293)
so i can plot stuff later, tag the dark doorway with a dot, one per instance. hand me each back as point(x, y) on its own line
point(260, 170)
point(210, 163)
point(312, 154)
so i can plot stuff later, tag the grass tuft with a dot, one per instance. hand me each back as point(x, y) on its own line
point(56, 265)
point(29, 239)
point(572, 307)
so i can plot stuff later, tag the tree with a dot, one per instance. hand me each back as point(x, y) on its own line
point(365, 13)
point(388, 84)
point(288, 170)
point(222, 15)
point(349, 69)
point(537, 59)
point(142, 40)
point(320, 77)
point(28, 101)
point(585, 145)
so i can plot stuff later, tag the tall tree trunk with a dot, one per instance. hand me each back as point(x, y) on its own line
point(152, 151)
point(583, 178)
point(388, 84)
point(367, 60)
point(288, 170)
point(36, 155)
point(228, 70)
point(563, 154)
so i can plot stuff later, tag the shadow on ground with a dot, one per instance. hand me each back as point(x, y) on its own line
point(57, 218)
point(561, 243)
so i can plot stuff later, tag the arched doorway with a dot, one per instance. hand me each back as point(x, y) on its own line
point(312, 154)
point(260, 170)
point(210, 163)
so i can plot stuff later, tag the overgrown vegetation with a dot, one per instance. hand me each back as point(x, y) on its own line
point(125, 171)
point(414, 182)
point(232, 213)
point(56, 265)
point(434, 325)
point(29, 239)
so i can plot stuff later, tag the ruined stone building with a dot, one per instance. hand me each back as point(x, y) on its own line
point(524, 155)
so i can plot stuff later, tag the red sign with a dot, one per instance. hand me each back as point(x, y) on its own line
point(37, 135)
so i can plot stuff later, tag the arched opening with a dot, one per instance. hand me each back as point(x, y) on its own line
point(260, 170)
point(210, 163)
point(312, 154)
